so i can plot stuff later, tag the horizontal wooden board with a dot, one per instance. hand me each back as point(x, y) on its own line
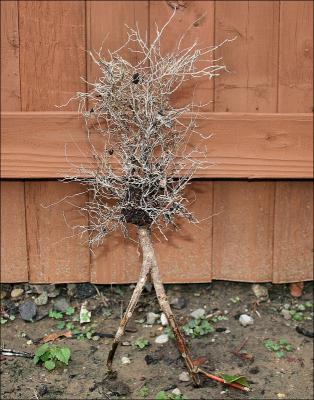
point(243, 145)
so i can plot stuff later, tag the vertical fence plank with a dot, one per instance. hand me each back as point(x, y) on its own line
point(117, 260)
point(293, 241)
point(14, 266)
point(52, 60)
point(186, 256)
point(243, 228)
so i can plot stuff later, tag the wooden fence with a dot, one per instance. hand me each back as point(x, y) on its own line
point(260, 112)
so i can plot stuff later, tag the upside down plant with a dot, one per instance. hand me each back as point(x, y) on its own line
point(143, 166)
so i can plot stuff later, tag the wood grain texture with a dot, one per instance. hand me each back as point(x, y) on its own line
point(52, 60)
point(55, 255)
point(14, 267)
point(14, 263)
point(249, 87)
point(293, 241)
point(242, 235)
point(295, 89)
point(116, 261)
point(39, 145)
point(293, 250)
point(194, 20)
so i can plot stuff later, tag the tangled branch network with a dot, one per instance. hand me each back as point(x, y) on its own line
point(144, 165)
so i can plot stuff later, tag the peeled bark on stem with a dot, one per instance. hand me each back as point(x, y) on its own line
point(147, 248)
point(146, 265)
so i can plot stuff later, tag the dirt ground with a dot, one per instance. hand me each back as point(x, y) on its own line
point(157, 367)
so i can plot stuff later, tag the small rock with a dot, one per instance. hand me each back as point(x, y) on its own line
point(71, 289)
point(151, 318)
point(39, 289)
point(125, 360)
point(281, 396)
point(286, 314)
point(9, 306)
point(3, 294)
point(200, 312)
point(286, 306)
point(220, 329)
point(176, 392)
point(42, 299)
point(184, 377)
point(126, 343)
point(61, 304)
point(95, 338)
point(42, 390)
point(162, 339)
point(260, 291)
point(28, 310)
point(151, 359)
point(54, 293)
point(85, 290)
point(148, 287)
point(17, 293)
point(246, 320)
point(254, 370)
point(163, 320)
point(178, 303)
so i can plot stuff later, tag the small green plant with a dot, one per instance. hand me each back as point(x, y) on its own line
point(197, 327)
point(162, 395)
point(141, 343)
point(279, 347)
point(235, 300)
point(144, 391)
point(51, 355)
point(218, 318)
point(70, 311)
point(55, 314)
point(6, 319)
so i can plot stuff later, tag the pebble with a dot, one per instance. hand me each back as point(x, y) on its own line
point(61, 304)
point(71, 289)
point(151, 359)
point(162, 339)
point(125, 360)
point(96, 337)
point(42, 299)
point(260, 291)
point(178, 303)
point(3, 294)
point(16, 293)
point(163, 320)
point(39, 289)
point(126, 343)
point(286, 306)
point(28, 310)
point(246, 320)
point(151, 318)
point(200, 312)
point(286, 314)
point(176, 392)
point(281, 396)
point(184, 377)
point(85, 290)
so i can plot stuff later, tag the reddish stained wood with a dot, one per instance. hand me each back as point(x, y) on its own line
point(116, 261)
point(249, 87)
point(14, 264)
point(52, 60)
point(293, 244)
point(242, 235)
point(194, 20)
point(295, 87)
point(293, 251)
point(42, 145)
point(55, 255)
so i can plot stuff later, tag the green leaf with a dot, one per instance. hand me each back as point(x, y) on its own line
point(289, 347)
point(141, 343)
point(61, 325)
point(55, 314)
point(283, 341)
point(36, 359)
point(144, 391)
point(89, 335)
point(3, 321)
point(162, 396)
point(42, 350)
point(12, 317)
point(50, 365)
point(279, 354)
point(70, 311)
point(70, 326)
point(63, 354)
point(297, 317)
point(235, 379)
